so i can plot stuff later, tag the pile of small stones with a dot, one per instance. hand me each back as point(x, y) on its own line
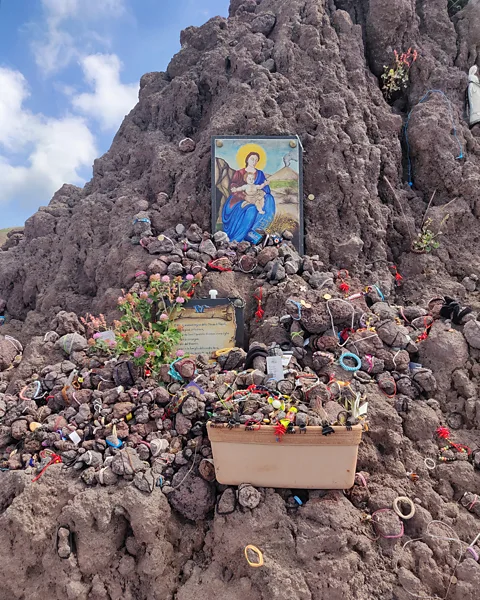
point(110, 423)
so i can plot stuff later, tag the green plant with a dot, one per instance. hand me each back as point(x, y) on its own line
point(427, 240)
point(147, 330)
point(396, 78)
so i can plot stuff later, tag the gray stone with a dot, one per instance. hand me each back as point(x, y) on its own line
point(208, 247)
point(157, 267)
point(469, 284)
point(175, 268)
point(249, 497)
point(182, 424)
point(180, 229)
point(144, 481)
point(190, 406)
point(158, 446)
point(471, 331)
point(72, 342)
point(50, 337)
point(227, 502)
point(194, 233)
point(187, 145)
point(127, 462)
point(220, 237)
point(317, 280)
point(264, 23)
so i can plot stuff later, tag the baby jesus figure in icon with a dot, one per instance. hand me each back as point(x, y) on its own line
point(253, 193)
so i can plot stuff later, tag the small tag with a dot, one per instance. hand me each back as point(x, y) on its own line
point(275, 367)
point(76, 439)
point(286, 358)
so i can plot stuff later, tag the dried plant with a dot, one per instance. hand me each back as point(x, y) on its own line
point(281, 222)
point(397, 77)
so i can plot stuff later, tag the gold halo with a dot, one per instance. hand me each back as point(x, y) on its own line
point(245, 150)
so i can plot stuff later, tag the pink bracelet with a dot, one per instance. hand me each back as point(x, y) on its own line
point(388, 537)
point(362, 479)
point(473, 553)
point(369, 358)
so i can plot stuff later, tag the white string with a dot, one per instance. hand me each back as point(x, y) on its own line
point(189, 470)
point(331, 317)
point(435, 537)
point(15, 343)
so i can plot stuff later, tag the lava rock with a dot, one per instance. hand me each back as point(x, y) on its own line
point(264, 23)
point(206, 470)
point(227, 502)
point(182, 424)
point(72, 342)
point(187, 145)
point(194, 498)
point(249, 497)
point(471, 331)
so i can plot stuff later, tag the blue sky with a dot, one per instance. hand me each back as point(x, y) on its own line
point(69, 72)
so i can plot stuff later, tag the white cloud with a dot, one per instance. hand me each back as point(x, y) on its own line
point(111, 100)
point(37, 154)
point(58, 47)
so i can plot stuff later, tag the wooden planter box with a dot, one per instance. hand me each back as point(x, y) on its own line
point(302, 460)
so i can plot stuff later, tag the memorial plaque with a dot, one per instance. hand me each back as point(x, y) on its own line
point(210, 325)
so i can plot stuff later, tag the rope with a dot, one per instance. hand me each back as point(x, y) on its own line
point(331, 317)
point(424, 99)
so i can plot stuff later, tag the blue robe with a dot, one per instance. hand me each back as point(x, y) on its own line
point(245, 223)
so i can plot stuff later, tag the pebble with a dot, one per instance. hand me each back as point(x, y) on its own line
point(186, 145)
point(249, 497)
point(158, 440)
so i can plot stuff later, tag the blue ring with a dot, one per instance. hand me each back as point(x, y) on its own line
point(112, 445)
point(355, 358)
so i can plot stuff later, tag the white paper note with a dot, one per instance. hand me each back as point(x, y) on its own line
point(275, 367)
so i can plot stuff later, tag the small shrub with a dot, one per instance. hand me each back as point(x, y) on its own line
point(427, 240)
point(396, 78)
point(147, 331)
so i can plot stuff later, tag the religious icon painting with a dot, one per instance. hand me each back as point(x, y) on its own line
point(257, 188)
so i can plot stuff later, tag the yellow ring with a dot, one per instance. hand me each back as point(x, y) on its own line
point(258, 554)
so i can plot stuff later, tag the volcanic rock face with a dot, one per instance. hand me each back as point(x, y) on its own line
point(274, 67)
